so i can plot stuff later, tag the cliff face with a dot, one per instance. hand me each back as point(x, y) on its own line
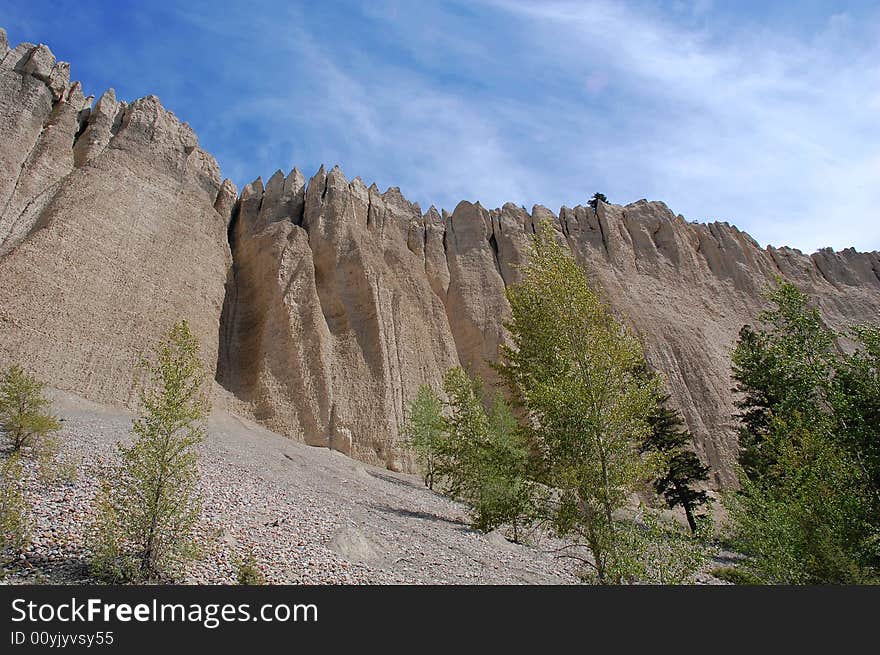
point(330, 322)
point(112, 226)
point(344, 299)
point(334, 301)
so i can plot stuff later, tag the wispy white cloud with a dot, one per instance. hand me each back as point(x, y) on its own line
point(775, 132)
point(380, 119)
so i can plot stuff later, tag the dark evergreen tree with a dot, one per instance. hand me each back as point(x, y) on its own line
point(683, 469)
point(594, 201)
point(757, 394)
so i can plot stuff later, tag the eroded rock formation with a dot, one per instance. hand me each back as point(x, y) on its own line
point(108, 228)
point(331, 321)
point(332, 300)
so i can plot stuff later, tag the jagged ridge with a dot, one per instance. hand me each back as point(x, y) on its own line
point(687, 288)
point(62, 132)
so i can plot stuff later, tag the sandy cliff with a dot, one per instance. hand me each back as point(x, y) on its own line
point(112, 226)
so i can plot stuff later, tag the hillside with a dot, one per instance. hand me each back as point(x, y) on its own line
point(309, 515)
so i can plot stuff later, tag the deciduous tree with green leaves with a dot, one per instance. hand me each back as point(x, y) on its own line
point(855, 399)
point(507, 492)
point(575, 370)
point(24, 417)
point(479, 457)
point(803, 522)
point(424, 431)
point(146, 521)
point(466, 428)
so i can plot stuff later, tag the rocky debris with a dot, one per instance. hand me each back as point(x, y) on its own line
point(309, 515)
point(323, 305)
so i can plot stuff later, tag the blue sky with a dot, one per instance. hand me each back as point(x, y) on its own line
point(763, 114)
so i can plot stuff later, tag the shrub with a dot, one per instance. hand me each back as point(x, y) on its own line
point(24, 420)
point(249, 571)
point(734, 575)
point(112, 559)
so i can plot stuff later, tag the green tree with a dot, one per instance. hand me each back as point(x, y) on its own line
point(483, 458)
point(155, 504)
point(24, 417)
point(13, 508)
point(507, 494)
point(424, 431)
point(574, 369)
point(802, 523)
point(855, 404)
point(594, 201)
point(855, 398)
point(783, 368)
point(681, 469)
point(466, 429)
point(807, 508)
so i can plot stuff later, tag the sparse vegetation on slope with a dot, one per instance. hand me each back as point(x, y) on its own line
point(580, 376)
point(290, 504)
point(249, 571)
point(13, 509)
point(595, 431)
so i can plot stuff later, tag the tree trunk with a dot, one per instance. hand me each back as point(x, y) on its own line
point(689, 512)
point(146, 561)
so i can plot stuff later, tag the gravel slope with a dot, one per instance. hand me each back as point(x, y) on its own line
point(310, 515)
